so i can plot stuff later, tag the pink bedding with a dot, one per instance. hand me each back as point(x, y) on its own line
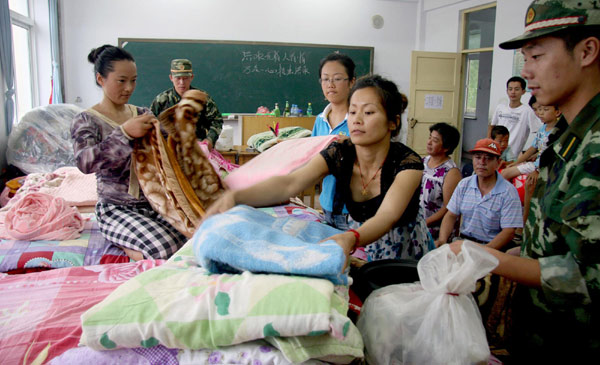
point(39, 216)
point(280, 159)
point(40, 312)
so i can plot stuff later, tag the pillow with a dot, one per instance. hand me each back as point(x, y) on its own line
point(282, 159)
point(264, 140)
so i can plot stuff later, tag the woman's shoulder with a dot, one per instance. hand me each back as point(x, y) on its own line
point(140, 109)
point(340, 150)
point(405, 155)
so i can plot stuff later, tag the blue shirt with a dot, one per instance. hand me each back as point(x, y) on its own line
point(323, 128)
point(483, 217)
point(540, 142)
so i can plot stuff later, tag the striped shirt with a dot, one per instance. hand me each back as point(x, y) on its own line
point(483, 217)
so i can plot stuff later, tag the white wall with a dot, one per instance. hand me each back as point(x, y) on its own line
point(440, 23)
point(86, 24)
point(440, 28)
point(3, 137)
point(510, 20)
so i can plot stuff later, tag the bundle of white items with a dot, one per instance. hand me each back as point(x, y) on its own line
point(434, 321)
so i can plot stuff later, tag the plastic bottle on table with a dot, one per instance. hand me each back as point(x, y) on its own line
point(309, 110)
point(276, 111)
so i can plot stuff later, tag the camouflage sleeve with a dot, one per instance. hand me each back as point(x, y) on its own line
point(214, 120)
point(574, 278)
point(156, 106)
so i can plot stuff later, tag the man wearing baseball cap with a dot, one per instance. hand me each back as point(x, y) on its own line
point(210, 122)
point(556, 312)
point(489, 205)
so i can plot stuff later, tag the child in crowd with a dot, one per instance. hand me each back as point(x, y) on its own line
point(501, 135)
point(336, 75)
point(377, 179)
point(103, 138)
point(549, 116)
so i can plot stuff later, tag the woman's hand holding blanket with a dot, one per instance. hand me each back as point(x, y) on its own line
point(137, 127)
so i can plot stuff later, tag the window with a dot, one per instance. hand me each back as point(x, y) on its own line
point(472, 84)
point(477, 47)
point(22, 27)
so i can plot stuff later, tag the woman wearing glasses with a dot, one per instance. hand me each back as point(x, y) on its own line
point(336, 74)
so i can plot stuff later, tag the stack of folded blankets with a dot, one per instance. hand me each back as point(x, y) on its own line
point(246, 280)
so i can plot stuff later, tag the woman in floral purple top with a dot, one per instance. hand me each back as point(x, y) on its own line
point(103, 141)
point(440, 175)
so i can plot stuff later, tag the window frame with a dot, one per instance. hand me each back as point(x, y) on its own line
point(27, 23)
point(466, 51)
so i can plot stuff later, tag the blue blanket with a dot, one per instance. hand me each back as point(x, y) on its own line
point(246, 239)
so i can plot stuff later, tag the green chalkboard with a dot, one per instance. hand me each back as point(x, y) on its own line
point(240, 76)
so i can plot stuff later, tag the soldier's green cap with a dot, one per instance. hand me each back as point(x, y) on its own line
point(181, 67)
point(545, 17)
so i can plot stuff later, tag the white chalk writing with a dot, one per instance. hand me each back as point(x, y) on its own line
point(275, 63)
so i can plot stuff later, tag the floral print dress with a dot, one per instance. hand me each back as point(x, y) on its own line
point(432, 194)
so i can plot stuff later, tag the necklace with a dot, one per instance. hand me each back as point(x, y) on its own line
point(364, 186)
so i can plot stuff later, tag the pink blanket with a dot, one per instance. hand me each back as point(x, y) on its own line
point(38, 216)
point(280, 159)
point(40, 312)
point(77, 189)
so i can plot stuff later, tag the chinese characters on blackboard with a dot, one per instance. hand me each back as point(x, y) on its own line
point(275, 63)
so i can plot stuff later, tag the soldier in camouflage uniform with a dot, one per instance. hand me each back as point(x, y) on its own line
point(556, 311)
point(210, 123)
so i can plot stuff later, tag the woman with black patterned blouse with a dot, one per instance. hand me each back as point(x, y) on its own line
point(378, 180)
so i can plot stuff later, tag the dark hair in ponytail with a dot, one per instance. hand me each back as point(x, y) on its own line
point(104, 56)
point(392, 100)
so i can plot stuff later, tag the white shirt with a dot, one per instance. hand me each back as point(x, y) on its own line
point(519, 121)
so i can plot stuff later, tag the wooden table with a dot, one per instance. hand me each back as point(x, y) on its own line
point(239, 154)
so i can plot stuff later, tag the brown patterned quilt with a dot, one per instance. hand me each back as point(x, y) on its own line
point(174, 174)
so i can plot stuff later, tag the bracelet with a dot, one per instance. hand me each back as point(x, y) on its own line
point(357, 239)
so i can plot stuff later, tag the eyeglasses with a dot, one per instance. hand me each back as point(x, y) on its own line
point(335, 80)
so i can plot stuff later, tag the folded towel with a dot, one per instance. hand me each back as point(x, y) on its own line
point(38, 216)
point(245, 238)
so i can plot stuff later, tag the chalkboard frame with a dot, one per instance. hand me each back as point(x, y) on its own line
point(153, 72)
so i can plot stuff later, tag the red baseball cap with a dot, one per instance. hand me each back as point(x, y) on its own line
point(487, 145)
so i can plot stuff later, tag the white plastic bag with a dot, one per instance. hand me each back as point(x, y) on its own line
point(434, 321)
point(41, 141)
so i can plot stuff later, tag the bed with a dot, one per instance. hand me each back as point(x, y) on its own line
point(88, 247)
point(48, 315)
